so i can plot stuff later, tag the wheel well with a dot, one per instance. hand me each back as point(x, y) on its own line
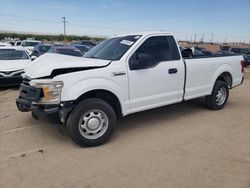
point(226, 77)
point(105, 95)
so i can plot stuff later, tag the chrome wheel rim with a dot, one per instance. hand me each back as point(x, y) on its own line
point(93, 124)
point(221, 96)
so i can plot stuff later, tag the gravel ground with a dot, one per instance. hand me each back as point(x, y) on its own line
point(183, 145)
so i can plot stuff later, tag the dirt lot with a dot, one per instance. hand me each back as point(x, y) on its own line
point(183, 145)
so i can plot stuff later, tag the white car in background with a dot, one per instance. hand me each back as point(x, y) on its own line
point(12, 62)
point(29, 45)
point(18, 43)
point(5, 44)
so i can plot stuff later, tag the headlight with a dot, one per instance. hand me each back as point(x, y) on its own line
point(51, 90)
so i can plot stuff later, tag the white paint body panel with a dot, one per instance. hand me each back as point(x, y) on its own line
point(203, 72)
point(139, 89)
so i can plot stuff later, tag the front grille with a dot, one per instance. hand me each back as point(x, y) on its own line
point(11, 73)
point(30, 93)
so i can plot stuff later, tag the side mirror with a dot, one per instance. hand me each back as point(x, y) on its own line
point(33, 57)
point(186, 53)
point(139, 61)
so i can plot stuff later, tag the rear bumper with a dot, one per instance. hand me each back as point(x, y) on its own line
point(11, 81)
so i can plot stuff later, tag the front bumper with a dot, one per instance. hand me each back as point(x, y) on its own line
point(27, 101)
point(11, 81)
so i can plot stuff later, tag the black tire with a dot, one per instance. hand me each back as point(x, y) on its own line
point(77, 115)
point(211, 100)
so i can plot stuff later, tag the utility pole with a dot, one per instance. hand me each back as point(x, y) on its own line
point(202, 38)
point(212, 38)
point(194, 37)
point(64, 26)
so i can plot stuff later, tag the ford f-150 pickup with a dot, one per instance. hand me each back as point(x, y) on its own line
point(120, 76)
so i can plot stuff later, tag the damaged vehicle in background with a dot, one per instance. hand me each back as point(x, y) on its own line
point(244, 51)
point(12, 62)
point(29, 45)
point(81, 47)
point(40, 49)
point(66, 50)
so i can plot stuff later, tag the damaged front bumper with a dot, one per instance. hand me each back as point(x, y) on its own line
point(28, 101)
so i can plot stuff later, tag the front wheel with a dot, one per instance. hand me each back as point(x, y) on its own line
point(219, 96)
point(91, 123)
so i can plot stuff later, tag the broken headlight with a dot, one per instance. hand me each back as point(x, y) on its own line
point(51, 90)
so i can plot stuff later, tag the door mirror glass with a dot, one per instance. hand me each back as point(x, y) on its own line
point(140, 61)
point(186, 53)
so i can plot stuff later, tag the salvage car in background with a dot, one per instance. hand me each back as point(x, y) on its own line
point(40, 49)
point(88, 43)
point(17, 43)
point(66, 50)
point(29, 45)
point(12, 62)
point(81, 47)
point(245, 52)
point(5, 44)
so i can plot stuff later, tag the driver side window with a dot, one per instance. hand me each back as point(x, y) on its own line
point(153, 51)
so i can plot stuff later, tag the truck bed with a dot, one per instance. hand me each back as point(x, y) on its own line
point(211, 56)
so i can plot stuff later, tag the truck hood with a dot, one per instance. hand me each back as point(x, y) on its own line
point(13, 65)
point(50, 62)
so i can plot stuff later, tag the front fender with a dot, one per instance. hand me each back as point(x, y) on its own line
point(72, 92)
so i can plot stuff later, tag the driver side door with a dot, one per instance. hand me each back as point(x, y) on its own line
point(156, 74)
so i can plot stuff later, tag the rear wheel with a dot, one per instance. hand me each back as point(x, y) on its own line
point(92, 122)
point(219, 96)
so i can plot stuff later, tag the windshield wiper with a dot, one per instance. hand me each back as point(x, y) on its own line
point(92, 57)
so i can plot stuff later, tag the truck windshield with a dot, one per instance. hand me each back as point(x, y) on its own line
point(113, 48)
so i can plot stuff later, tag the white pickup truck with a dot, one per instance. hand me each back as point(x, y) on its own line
point(120, 76)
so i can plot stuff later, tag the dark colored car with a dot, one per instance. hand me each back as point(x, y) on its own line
point(40, 49)
point(222, 52)
point(240, 50)
point(66, 50)
point(246, 59)
point(188, 52)
point(204, 51)
point(82, 48)
point(90, 44)
point(245, 52)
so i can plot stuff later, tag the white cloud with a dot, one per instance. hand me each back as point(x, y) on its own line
point(59, 7)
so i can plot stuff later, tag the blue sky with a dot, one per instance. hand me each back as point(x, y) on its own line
point(227, 19)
